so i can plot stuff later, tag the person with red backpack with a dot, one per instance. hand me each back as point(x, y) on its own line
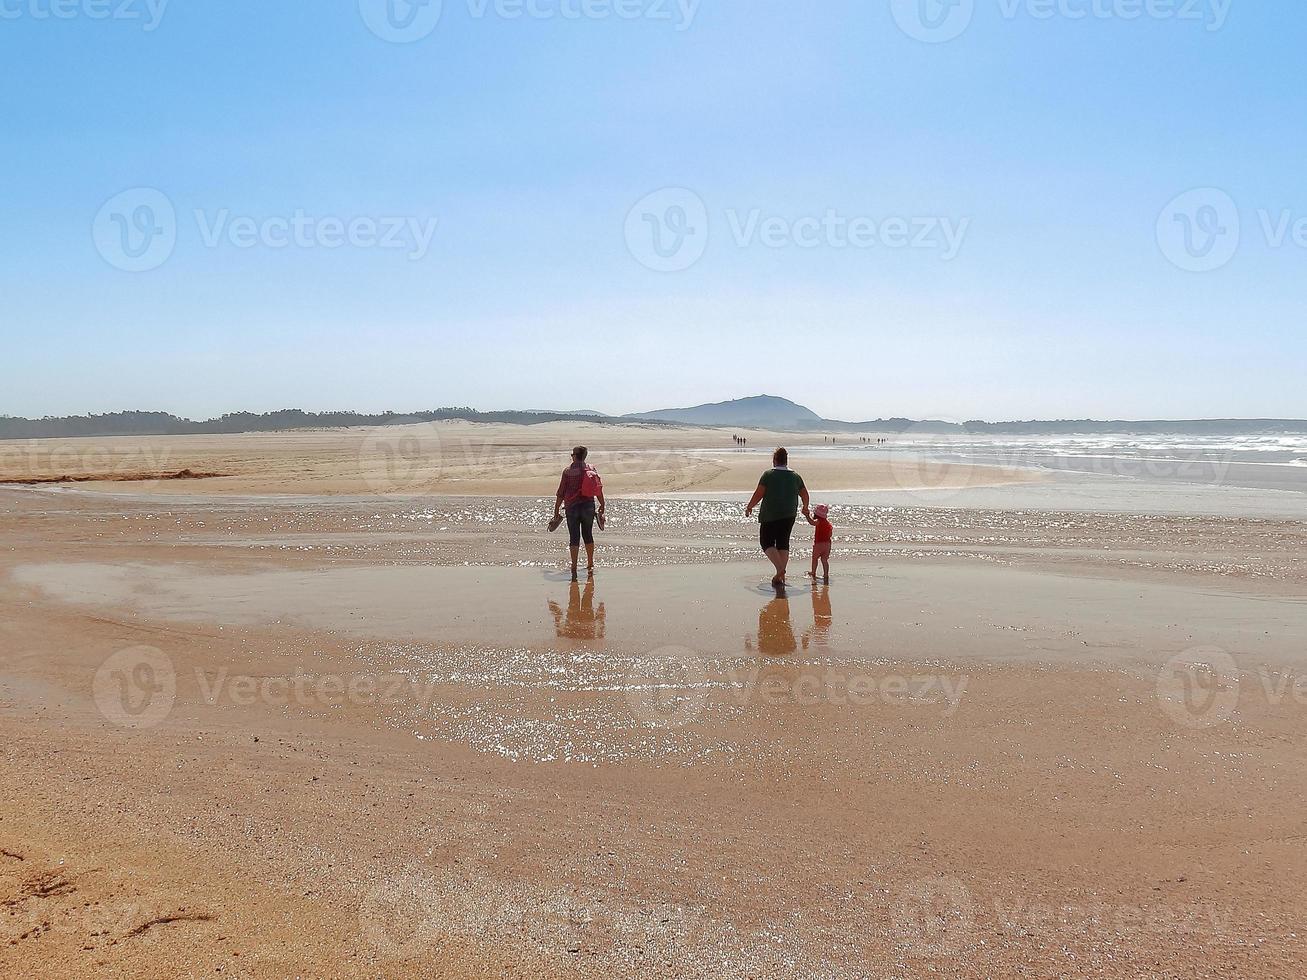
point(581, 492)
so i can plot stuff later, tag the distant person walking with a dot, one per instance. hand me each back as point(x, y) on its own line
point(581, 492)
point(779, 491)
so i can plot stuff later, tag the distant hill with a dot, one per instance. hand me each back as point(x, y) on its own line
point(761, 411)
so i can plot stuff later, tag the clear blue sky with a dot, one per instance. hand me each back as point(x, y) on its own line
point(1055, 142)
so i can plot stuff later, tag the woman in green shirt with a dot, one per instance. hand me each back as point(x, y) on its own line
point(779, 491)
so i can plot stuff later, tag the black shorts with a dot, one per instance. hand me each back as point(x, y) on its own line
point(776, 534)
point(580, 522)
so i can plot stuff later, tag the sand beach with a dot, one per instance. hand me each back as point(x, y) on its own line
point(340, 712)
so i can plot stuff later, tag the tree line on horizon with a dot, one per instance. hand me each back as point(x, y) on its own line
point(163, 423)
point(166, 424)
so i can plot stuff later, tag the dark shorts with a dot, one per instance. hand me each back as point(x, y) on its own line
point(580, 522)
point(776, 534)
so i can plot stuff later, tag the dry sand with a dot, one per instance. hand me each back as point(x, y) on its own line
point(360, 736)
point(458, 458)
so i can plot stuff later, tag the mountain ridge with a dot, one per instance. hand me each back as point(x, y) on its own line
point(762, 411)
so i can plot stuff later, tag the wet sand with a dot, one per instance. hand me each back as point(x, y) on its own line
point(350, 736)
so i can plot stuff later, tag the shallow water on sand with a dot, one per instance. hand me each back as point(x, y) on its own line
point(520, 664)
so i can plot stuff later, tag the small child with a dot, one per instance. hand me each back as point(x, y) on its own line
point(821, 541)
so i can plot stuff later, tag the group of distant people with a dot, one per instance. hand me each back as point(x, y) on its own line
point(579, 501)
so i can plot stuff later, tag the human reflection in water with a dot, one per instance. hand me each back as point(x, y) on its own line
point(819, 635)
point(775, 634)
point(581, 621)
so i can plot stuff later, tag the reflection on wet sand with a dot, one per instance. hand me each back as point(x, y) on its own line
point(581, 621)
point(775, 633)
point(819, 635)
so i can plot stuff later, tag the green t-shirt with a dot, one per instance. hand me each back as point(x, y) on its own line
point(780, 499)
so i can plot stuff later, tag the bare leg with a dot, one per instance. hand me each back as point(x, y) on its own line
point(825, 567)
point(589, 556)
point(575, 552)
point(784, 562)
point(778, 563)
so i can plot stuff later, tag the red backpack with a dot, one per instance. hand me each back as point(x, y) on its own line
point(591, 484)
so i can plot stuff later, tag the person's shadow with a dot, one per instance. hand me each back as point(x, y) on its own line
point(581, 620)
point(775, 632)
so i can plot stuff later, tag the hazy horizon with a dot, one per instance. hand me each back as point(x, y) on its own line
point(407, 410)
point(984, 217)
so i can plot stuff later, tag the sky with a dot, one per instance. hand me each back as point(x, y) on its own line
point(959, 209)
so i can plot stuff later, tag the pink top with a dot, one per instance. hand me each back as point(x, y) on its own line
point(569, 487)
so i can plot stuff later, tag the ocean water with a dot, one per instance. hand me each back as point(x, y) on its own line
point(1236, 476)
point(1273, 462)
